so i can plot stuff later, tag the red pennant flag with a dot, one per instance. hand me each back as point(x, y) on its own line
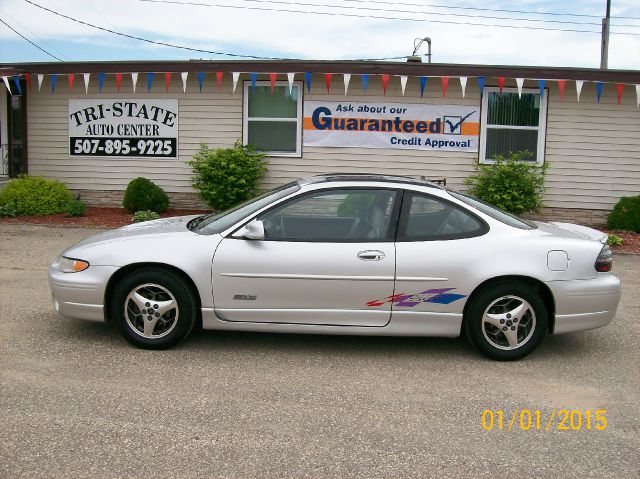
point(167, 80)
point(118, 81)
point(501, 83)
point(27, 78)
point(385, 82)
point(71, 77)
point(272, 79)
point(327, 81)
point(619, 90)
point(219, 80)
point(561, 85)
point(445, 84)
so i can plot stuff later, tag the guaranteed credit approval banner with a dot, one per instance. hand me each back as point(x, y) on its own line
point(123, 128)
point(407, 126)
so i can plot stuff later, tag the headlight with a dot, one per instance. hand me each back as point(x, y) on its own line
point(71, 265)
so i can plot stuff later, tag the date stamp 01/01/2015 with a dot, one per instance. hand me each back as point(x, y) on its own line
point(537, 420)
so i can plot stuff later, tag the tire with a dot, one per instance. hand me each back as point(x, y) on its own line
point(154, 308)
point(514, 306)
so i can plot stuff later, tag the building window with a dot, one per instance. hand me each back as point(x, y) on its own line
point(272, 122)
point(512, 123)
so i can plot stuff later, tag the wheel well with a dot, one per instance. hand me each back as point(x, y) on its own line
point(126, 270)
point(542, 289)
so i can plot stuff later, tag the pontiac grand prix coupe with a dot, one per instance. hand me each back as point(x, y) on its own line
point(345, 254)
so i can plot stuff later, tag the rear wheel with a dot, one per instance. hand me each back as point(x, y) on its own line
point(154, 308)
point(506, 321)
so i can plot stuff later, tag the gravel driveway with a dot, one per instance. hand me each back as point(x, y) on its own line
point(77, 401)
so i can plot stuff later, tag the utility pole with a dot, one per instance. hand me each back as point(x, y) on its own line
point(604, 50)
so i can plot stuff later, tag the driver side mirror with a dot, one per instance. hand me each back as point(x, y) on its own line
point(253, 230)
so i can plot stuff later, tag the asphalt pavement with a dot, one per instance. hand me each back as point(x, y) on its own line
point(77, 401)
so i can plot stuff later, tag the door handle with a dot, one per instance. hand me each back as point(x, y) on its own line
point(371, 255)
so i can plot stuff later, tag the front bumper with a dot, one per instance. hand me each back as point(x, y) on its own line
point(585, 304)
point(80, 295)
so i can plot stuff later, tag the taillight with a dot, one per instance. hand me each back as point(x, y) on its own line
point(604, 263)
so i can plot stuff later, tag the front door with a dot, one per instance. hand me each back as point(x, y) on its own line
point(325, 256)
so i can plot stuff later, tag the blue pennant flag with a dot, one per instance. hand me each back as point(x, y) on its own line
point(53, 83)
point(599, 86)
point(423, 84)
point(307, 79)
point(16, 81)
point(200, 80)
point(254, 78)
point(541, 84)
point(101, 77)
point(149, 81)
point(365, 82)
point(481, 84)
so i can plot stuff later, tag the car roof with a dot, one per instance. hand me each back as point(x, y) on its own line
point(327, 177)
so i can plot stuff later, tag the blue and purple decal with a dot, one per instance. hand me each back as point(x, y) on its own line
point(439, 296)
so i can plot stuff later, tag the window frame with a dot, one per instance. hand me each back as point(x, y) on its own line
point(299, 119)
point(541, 128)
point(401, 232)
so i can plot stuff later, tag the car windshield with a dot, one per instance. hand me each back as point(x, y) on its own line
point(495, 213)
point(218, 222)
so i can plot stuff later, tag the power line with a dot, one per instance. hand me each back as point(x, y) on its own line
point(484, 9)
point(32, 43)
point(172, 45)
point(376, 17)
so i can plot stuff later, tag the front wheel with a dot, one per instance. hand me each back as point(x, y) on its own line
point(506, 321)
point(154, 308)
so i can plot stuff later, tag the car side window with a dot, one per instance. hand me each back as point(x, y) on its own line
point(428, 218)
point(344, 215)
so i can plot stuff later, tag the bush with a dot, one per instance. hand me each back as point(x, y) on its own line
point(8, 209)
point(512, 184)
point(225, 177)
point(35, 195)
point(76, 208)
point(625, 214)
point(142, 194)
point(140, 216)
point(614, 240)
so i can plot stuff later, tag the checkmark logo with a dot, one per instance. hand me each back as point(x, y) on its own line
point(453, 124)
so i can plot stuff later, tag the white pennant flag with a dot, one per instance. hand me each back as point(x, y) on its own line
point(235, 76)
point(134, 81)
point(40, 78)
point(6, 82)
point(184, 81)
point(403, 83)
point(86, 82)
point(463, 85)
point(347, 79)
point(519, 83)
point(290, 77)
point(579, 84)
point(638, 95)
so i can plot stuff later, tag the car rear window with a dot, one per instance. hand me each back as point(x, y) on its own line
point(495, 213)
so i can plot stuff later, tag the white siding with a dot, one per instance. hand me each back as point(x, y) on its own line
point(593, 148)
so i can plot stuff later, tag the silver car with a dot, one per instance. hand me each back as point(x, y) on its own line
point(345, 254)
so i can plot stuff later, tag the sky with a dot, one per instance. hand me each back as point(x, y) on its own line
point(324, 30)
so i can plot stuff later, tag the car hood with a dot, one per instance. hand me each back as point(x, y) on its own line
point(163, 226)
point(570, 230)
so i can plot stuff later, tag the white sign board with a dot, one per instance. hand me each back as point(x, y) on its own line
point(413, 126)
point(123, 128)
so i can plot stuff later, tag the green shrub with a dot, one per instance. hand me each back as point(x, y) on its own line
point(35, 195)
point(225, 177)
point(148, 215)
point(8, 209)
point(349, 206)
point(143, 194)
point(625, 214)
point(614, 240)
point(512, 184)
point(76, 208)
